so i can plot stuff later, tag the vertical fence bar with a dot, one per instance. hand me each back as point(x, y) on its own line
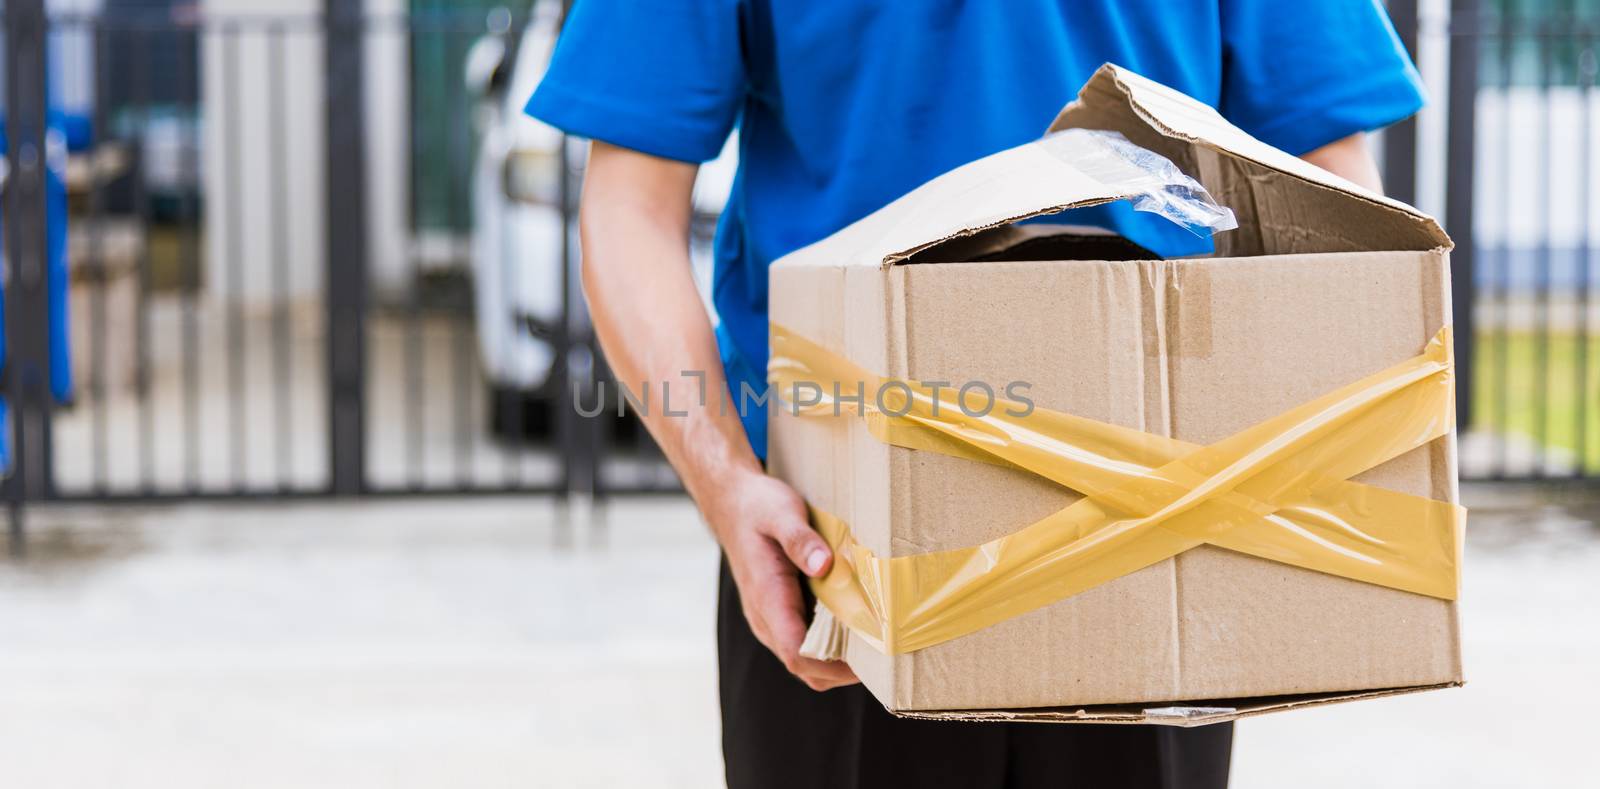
point(233, 293)
point(1544, 39)
point(189, 218)
point(459, 182)
point(1400, 140)
point(1499, 288)
point(346, 246)
point(27, 315)
point(283, 410)
point(99, 275)
point(593, 435)
point(1459, 152)
point(568, 423)
point(566, 396)
point(139, 95)
point(509, 398)
point(414, 352)
point(1585, 397)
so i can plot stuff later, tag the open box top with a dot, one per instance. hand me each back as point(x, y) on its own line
point(1272, 193)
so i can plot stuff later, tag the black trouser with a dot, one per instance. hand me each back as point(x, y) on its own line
point(777, 733)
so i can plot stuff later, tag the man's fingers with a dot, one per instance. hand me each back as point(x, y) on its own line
point(779, 597)
point(778, 609)
point(804, 547)
point(764, 561)
point(823, 674)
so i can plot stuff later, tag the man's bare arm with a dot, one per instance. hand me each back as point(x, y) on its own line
point(638, 281)
point(1350, 159)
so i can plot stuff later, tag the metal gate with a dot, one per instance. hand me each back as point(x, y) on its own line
point(244, 249)
point(1521, 182)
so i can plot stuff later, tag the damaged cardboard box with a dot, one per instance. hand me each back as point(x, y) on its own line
point(1322, 284)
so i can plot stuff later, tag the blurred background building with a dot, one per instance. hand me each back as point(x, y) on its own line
point(274, 250)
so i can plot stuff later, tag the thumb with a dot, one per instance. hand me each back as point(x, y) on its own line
point(804, 547)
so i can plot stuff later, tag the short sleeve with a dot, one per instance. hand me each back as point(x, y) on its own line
point(665, 77)
point(1301, 75)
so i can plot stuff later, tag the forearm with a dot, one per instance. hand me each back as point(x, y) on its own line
point(655, 332)
point(640, 286)
point(1349, 159)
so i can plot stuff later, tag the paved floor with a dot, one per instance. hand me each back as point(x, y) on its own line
point(493, 644)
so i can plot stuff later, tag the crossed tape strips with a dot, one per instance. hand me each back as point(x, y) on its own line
point(1278, 490)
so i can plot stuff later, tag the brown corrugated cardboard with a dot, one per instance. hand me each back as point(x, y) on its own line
point(1321, 285)
point(1215, 711)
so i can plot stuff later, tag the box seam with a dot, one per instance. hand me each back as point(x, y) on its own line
point(902, 667)
point(1169, 275)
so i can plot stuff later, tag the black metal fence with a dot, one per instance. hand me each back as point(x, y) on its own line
point(1520, 183)
point(245, 251)
point(279, 255)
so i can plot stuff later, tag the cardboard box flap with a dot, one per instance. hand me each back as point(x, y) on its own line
point(1279, 193)
point(1284, 205)
point(1030, 180)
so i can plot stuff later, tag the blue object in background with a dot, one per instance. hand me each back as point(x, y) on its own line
point(63, 132)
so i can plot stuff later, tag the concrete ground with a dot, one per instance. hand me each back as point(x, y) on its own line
point(492, 643)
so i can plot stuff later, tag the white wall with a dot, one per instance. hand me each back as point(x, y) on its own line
point(243, 217)
point(388, 151)
point(1530, 160)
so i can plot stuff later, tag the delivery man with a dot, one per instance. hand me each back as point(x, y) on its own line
point(842, 106)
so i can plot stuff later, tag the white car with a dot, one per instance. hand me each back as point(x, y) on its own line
point(517, 226)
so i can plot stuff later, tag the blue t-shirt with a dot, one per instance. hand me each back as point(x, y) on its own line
point(844, 106)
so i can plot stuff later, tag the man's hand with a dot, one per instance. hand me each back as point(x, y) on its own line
point(762, 525)
point(648, 314)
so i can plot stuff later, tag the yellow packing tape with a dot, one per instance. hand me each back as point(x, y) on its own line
point(1277, 490)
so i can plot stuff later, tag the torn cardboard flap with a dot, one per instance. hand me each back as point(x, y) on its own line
point(1289, 205)
point(1295, 205)
point(1000, 189)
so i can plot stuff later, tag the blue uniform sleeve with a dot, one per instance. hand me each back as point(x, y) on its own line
point(665, 77)
point(1301, 75)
